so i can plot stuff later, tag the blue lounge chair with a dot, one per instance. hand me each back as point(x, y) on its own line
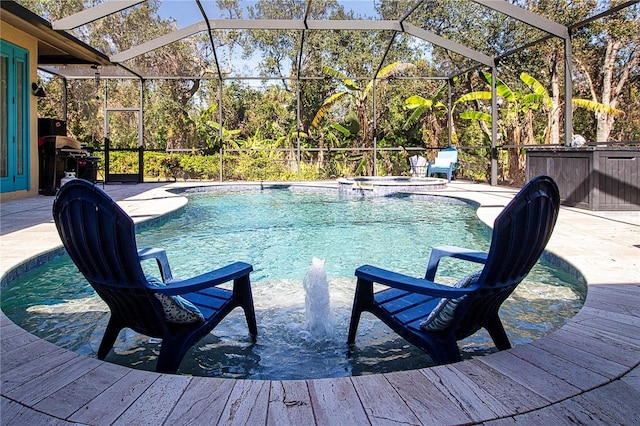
point(100, 239)
point(433, 316)
point(446, 162)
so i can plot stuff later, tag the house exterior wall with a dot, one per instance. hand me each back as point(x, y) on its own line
point(29, 43)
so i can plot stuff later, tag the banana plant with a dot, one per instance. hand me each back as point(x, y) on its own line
point(356, 119)
point(540, 95)
point(526, 102)
point(211, 129)
point(596, 107)
point(227, 135)
point(544, 98)
point(511, 124)
point(517, 104)
point(339, 127)
point(357, 93)
point(419, 105)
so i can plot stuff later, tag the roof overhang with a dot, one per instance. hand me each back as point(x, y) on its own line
point(57, 50)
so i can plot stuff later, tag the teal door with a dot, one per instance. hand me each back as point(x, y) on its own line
point(14, 118)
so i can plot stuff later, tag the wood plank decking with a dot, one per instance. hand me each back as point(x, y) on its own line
point(585, 373)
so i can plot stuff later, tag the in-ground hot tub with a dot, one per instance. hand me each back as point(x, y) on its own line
point(388, 185)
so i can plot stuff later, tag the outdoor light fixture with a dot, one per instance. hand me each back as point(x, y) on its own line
point(96, 78)
point(37, 90)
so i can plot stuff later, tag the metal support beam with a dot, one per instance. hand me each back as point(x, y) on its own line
point(449, 113)
point(298, 127)
point(375, 129)
point(448, 44)
point(302, 40)
point(384, 55)
point(280, 24)
point(251, 24)
point(220, 118)
point(555, 29)
point(494, 127)
point(608, 12)
point(213, 45)
point(159, 42)
point(527, 17)
point(357, 25)
point(568, 92)
point(93, 14)
point(65, 92)
point(141, 121)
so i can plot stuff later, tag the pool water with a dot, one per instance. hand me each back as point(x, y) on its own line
point(279, 232)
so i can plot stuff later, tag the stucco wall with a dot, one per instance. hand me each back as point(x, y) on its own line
point(25, 41)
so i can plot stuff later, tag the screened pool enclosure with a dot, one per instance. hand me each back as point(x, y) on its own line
point(413, 47)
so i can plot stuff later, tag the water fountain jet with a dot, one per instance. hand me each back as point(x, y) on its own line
point(319, 319)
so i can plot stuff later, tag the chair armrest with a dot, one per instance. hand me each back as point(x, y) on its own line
point(161, 257)
point(407, 283)
point(439, 252)
point(209, 279)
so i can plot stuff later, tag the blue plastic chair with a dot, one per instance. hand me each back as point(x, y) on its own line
point(446, 162)
point(100, 239)
point(433, 316)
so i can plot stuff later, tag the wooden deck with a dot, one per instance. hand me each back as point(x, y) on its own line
point(585, 373)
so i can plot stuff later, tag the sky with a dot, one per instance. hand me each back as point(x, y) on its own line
point(186, 12)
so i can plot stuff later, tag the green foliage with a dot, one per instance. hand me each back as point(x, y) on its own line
point(542, 96)
point(474, 165)
point(163, 166)
point(246, 165)
point(501, 88)
point(339, 127)
point(476, 115)
point(597, 107)
point(352, 123)
point(123, 162)
point(356, 94)
point(206, 167)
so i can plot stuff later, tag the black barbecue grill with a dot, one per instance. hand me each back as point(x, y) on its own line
point(58, 153)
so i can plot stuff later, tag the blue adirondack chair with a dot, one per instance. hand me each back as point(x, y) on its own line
point(100, 239)
point(433, 316)
point(446, 162)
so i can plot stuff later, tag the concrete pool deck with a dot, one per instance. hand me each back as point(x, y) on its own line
point(585, 373)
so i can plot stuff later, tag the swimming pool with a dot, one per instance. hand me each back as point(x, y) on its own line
point(279, 232)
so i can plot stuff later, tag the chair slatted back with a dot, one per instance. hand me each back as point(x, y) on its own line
point(449, 155)
point(520, 235)
point(100, 239)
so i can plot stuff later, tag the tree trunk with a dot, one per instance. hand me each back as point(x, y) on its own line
point(321, 153)
point(604, 124)
point(529, 137)
point(605, 121)
point(516, 160)
point(553, 137)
